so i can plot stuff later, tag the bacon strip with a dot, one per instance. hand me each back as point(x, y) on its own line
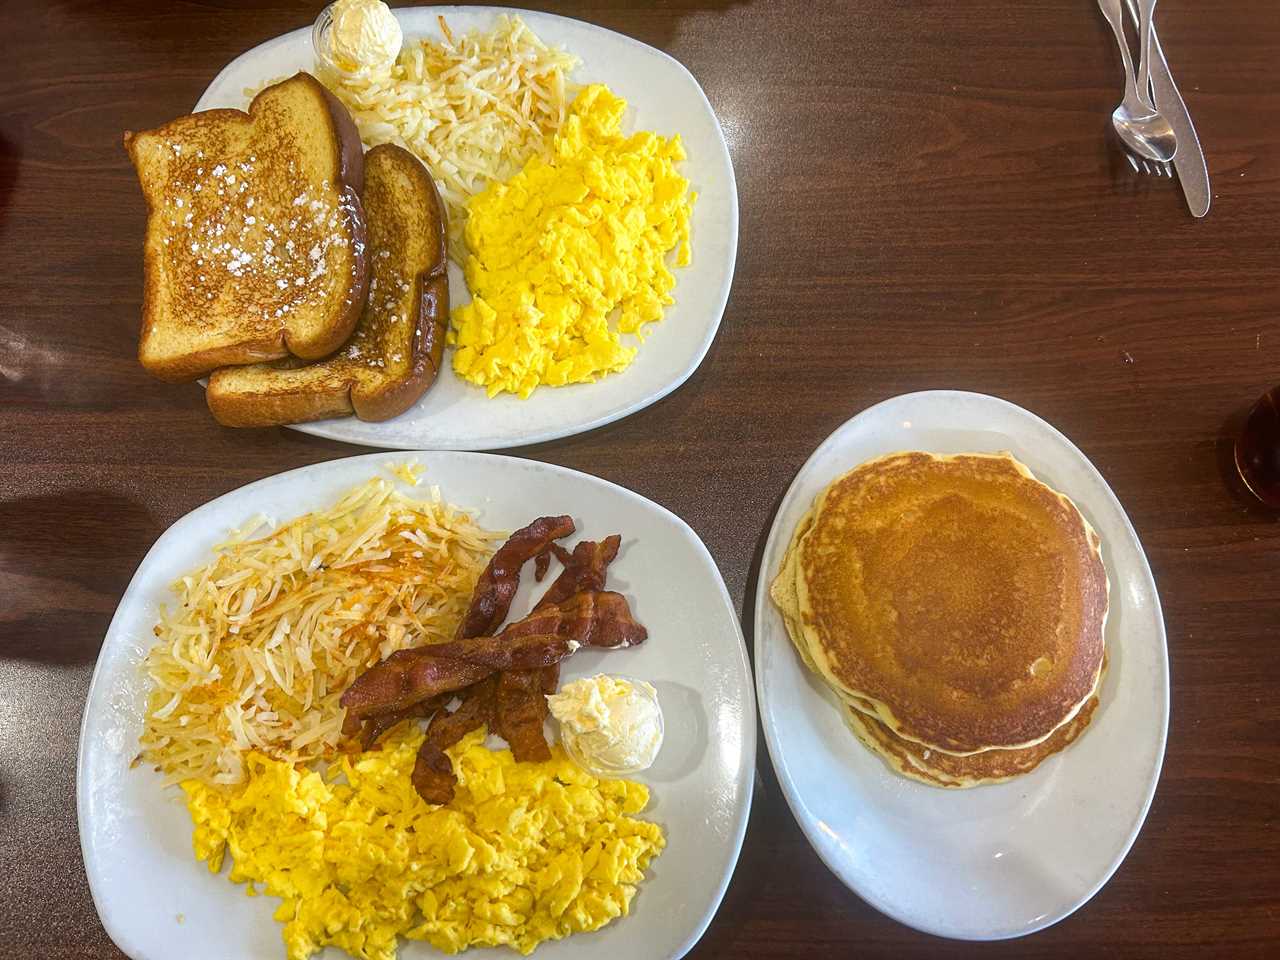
point(497, 585)
point(405, 679)
point(543, 560)
point(519, 712)
point(547, 636)
point(432, 775)
point(536, 645)
point(592, 618)
point(521, 708)
point(584, 569)
point(376, 726)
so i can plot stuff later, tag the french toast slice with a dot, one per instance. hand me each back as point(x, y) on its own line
point(396, 350)
point(255, 241)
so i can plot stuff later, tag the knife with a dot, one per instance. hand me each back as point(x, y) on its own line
point(1193, 173)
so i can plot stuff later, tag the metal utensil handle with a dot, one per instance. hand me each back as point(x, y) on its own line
point(1111, 10)
point(1146, 11)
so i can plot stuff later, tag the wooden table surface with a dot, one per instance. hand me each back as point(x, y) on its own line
point(929, 199)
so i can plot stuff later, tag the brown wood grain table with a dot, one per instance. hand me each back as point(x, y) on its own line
point(929, 199)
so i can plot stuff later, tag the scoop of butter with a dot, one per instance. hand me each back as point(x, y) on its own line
point(609, 725)
point(364, 36)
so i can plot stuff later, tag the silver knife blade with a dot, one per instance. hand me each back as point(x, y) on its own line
point(1193, 172)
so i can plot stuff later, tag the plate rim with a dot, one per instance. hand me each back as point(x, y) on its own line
point(492, 441)
point(742, 662)
point(774, 747)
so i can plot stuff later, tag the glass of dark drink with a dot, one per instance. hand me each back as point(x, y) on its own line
point(1258, 449)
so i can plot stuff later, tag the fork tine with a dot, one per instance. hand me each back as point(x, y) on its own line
point(1150, 168)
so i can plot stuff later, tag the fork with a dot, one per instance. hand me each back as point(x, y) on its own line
point(1147, 136)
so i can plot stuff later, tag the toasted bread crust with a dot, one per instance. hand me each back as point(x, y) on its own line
point(258, 345)
point(350, 149)
point(430, 327)
point(270, 396)
point(237, 408)
point(351, 172)
point(395, 397)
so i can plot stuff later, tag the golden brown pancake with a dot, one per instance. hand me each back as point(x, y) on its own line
point(959, 597)
point(783, 593)
point(939, 769)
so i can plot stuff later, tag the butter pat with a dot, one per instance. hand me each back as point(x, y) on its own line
point(609, 725)
point(364, 36)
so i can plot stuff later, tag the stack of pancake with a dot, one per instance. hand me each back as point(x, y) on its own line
point(955, 605)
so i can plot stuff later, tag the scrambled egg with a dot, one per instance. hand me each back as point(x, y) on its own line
point(564, 245)
point(526, 852)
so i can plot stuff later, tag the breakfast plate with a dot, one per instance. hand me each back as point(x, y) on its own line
point(662, 96)
point(157, 902)
point(1000, 860)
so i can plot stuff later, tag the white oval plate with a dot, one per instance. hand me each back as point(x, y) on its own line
point(157, 902)
point(996, 861)
point(662, 96)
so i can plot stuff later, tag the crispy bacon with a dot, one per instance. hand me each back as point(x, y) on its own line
point(543, 560)
point(547, 636)
point(432, 770)
point(502, 677)
point(592, 618)
point(376, 726)
point(521, 701)
point(498, 583)
point(527, 650)
point(584, 569)
point(405, 679)
point(490, 602)
point(519, 711)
